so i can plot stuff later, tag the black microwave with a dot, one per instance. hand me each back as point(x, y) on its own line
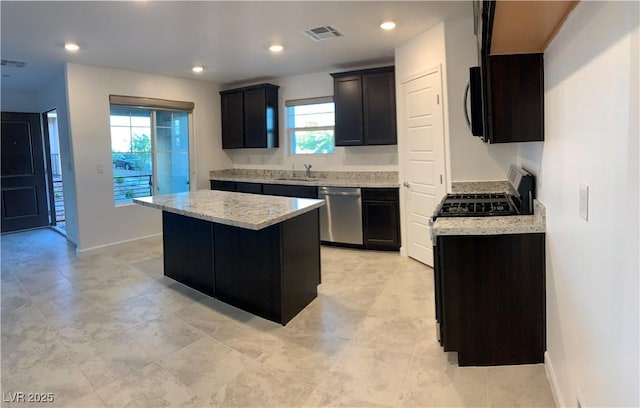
point(475, 121)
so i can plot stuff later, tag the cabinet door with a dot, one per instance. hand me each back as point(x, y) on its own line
point(517, 98)
point(223, 185)
point(492, 298)
point(255, 120)
point(290, 190)
point(244, 187)
point(381, 226)
point(379, 108)
point(232, 120)
point(347, 94)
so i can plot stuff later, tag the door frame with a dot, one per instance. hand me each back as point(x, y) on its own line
point(44, 120)
point(400, 110)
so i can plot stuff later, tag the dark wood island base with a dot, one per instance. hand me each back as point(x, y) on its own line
point(272, 272)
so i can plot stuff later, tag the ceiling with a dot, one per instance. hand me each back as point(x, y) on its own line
point(230, 39)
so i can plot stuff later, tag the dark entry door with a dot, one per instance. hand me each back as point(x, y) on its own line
point(24, 193)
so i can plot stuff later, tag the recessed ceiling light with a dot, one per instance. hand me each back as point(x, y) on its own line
point(388, 25)
point(276, 48)
point(197, 69)
point(71, 46)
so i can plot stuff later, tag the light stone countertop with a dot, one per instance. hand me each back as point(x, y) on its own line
point(514, 224)
point(318, 178)
point(249, 211)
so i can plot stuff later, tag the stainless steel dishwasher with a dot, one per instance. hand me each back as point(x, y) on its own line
point(341, 216)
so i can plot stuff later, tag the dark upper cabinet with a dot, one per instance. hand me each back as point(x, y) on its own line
point(232, 120)
point(365, 104)
point(347, 95)
point(512, 89)
point(379, 100)
point(516, 97)
point(250, 117)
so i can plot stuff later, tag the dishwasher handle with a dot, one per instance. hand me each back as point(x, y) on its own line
point(327, 191)
point(339, 194)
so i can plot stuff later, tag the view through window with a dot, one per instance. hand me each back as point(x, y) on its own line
point(150, 152)
point(310, 124)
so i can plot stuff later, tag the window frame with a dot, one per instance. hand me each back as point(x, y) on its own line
point(291, 129)
point(154, 106)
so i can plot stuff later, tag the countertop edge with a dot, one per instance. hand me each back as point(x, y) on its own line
point(234, 223)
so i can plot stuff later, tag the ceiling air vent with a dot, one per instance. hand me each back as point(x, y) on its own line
point(322, 33)
point(13, 64)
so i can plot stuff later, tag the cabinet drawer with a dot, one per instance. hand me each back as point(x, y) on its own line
point(380, 194)
point(245, 187)
point(290, 190)
point(223, 185)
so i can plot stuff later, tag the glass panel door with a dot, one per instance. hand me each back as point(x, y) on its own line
point(172, 152)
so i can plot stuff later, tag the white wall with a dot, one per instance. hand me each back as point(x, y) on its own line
point(358, 158)
point(470, 158)
point(591, 136)
point(18, 100)
point(54, 96)
point(100, 222)
point(452, 45)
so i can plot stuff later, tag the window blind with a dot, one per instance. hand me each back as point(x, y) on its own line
point(150, 103)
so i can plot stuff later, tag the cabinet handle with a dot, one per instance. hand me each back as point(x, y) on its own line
point(464, 104)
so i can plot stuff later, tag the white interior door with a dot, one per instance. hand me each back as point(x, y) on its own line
point(424, 160)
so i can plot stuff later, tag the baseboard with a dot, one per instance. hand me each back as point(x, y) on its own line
point(403, 251)
point(553, 381)
point(115, 245)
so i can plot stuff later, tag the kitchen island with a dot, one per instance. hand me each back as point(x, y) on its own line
point(258, 253)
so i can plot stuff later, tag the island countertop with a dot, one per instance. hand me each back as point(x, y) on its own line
point(249, 211)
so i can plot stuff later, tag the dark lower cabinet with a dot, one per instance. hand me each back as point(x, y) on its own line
point(223, 185)
point(290, 190)
point(237, 186)
point(188, 251)
point(243, 187)
point(273, 272)
point(490, 298)
point(381, 218)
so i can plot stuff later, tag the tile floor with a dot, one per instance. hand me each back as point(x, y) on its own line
point(108, 330)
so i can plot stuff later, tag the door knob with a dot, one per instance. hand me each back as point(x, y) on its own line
point(406, 184)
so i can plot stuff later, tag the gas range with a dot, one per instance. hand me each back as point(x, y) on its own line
point(477, 205)
point(518, 202)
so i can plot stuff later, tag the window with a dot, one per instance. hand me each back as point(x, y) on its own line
point(310, 125)
point(150, 151)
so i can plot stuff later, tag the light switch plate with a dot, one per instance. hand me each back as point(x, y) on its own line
point(584, 201)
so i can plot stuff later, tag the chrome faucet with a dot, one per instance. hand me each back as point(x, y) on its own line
point(308, 167)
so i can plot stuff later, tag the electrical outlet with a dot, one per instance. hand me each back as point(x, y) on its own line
point(584, 201)
point(99, 168)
